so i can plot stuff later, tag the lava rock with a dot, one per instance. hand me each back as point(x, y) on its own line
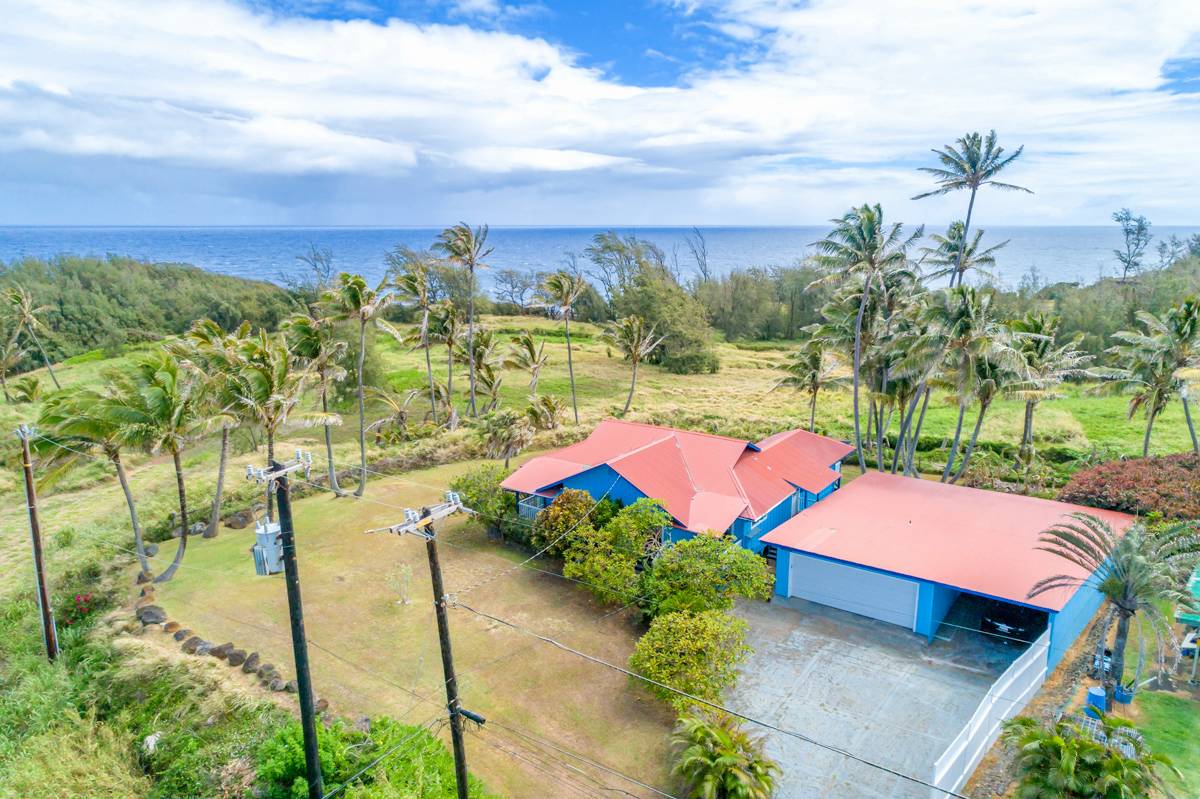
point(191, 644)
point(151, 614)
point(172, 626)
point(236, 657)
point(222, 651)
point(251, 664)
point(277, 684)
point(321, 706)
point(204, 647)
point(265, 668)
point(182, 633)
point(291, 686)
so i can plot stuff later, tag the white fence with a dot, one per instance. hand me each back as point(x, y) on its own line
point(1006, 698)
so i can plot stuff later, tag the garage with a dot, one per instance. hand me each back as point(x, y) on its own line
point(867, 593)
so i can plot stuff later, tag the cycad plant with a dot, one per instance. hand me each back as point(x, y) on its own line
point(467, 247)
point(717, 759)
point(636, 342)
point(27, 317)
point(971, 163)
point(559, 292)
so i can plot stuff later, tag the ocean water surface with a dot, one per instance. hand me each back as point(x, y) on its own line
point(1081, 254)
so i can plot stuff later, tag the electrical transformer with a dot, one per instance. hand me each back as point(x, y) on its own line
point(268, 551)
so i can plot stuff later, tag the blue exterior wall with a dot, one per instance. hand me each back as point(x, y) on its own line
point(1068, 623)
point(603, 478)
point(933, 603)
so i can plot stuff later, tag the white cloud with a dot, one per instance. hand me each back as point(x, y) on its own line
point(831, 102)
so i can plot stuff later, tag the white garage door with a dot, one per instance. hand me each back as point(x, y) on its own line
point(867, 593)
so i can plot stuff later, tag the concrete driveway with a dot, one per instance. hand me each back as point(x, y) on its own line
point(867, 687)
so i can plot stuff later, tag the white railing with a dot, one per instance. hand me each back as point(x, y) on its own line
point(1006, 698)
point(530, 506)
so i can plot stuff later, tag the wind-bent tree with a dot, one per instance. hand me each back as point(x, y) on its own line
point(861, 245)
point(352, 299)
point(467, 247)
point(559, 292)
point(312, 338)
point(529, 355)
point(505, 433)
point(84, 419)
point(636, 342)
point(998, 372)
point(412, 273)
point(1139, 572)
point(809, 370)
point(970, 163)
point(954, 256)
point(164, 402)
point(1147, 368)
point(1047, 365)
point(446, 329)
point(717, 759)
point(11, 354)
point(26, 315)
point(1135, 232)
point(1176, 337)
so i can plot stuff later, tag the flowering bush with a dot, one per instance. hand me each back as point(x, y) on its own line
point(77, 610)
point(1169, 485)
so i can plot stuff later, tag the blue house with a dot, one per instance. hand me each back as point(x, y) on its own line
point(708, 484)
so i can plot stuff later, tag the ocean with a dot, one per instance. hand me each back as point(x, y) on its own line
point(1080, 254)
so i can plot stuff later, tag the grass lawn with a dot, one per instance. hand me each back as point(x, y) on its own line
point(353, 608)
point(1171, 725)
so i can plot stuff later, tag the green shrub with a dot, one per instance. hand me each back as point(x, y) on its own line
point(697, 653)
point(568, 516)
point(1167, 485)
point(481, 492)
point(703, 573)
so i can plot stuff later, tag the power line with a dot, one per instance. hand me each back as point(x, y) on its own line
point(436, 721)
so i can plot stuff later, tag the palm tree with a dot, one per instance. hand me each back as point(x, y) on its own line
point(955, 257)
point(411, 271)
point(1139, 572)
point(11, 354)
point(1047, 365)
point(26, 316)
point(1063, 761)
point(505, 434)
point(809, 370)
point(717, 759)
point(974, 163)
point(485, 358)
point(85, 419)
point(559, 292)
point(445, 329)
point(1178, 336)
point(636, 342)
point(311, 337)
point(162, 404)
point(466, 246)
point(392, 427)
point(529, 355)
point(863, 246)
point(1146, 368)
point(999, 371)
point(352, 299)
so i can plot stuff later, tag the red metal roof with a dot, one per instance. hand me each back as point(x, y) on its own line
point(966, 538)
point(705, 481)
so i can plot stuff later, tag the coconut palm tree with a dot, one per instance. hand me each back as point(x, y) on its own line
point(312, 338)
point(717, 759)
point(1063, 761)
point(527, 354)
point(862, 245)
point(505, 434)
point(392, 427)
point(27, 317)
point(1047, 365)
point(11, 353)
point(972, 162)
point(559, 292)
point(162, 403)
point(352, 299)
point(636, 342)
point(954, 256)
point(809, 370)
point(1146, 370)
point(446, 329)
point(1177, 335)
point(467, 247)
point(84, 419)
point(1139, 572)
point(1000, 371)
point(411, 271)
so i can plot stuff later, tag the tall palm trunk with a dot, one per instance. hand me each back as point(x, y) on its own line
point(905, 425)
point(429, 366)
point(962, 410)
point(183, 521)
point(812, 413)
point(632, 386)
point(983, 406)
point(1187, 414)
point(45, 357)
point(916, 436)
point(862, 309)
point(570, 363)
point(362, 411)
point(1026, 453)
point(452, 422)
point(1117, 674)
point(215, 519)
point(1146, 438)
point(139, 545)
point(957, 273)
point(471, 336)
point(270, 465)
point(333, 481)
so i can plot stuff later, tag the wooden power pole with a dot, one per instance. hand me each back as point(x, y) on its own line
point(49, 633)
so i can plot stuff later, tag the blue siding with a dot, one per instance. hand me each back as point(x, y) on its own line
point(933, 603)
point(783, 560)
point(599, 479)
point(1068, 623)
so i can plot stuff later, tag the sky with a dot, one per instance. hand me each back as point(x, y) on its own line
point(662, 112)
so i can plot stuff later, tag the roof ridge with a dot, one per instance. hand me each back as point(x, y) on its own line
point(680, 430)
point(686, 467)
point(636, 450)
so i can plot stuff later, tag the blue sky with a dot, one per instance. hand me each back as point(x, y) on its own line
point(418, 112)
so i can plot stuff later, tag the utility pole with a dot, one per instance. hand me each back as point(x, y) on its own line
point(422, 525)
point(276, 478)
point(49, 632)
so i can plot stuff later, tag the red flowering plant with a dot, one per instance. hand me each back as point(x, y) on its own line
point(1167, 485)
point(77, 610)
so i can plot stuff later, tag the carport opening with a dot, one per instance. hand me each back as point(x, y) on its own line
point(1001, 625)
